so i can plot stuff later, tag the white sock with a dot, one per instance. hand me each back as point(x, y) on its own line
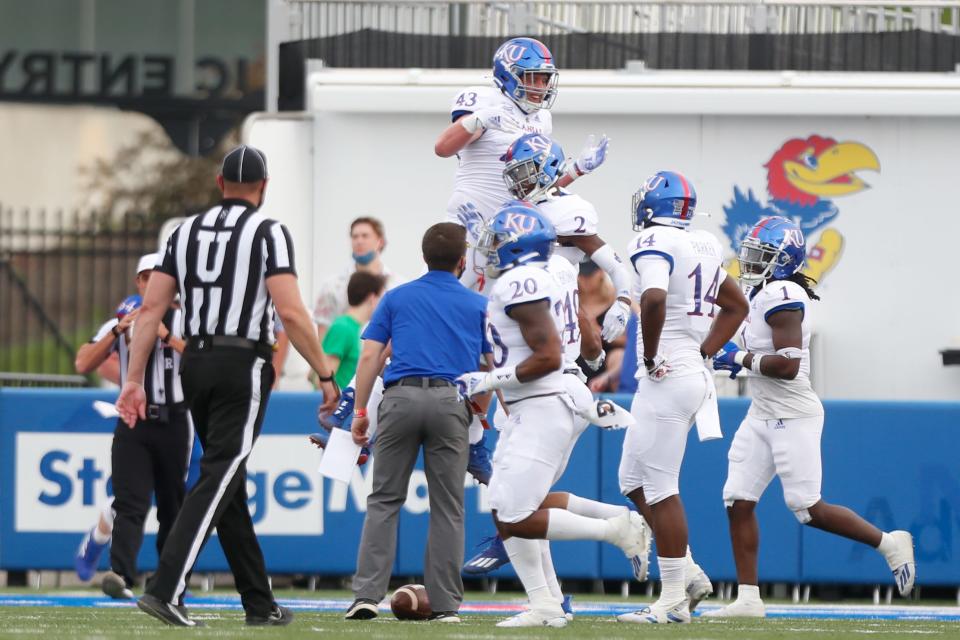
point(887, 546)
point(748, 593)
point(566, 525)
point(546, 561)
point(476, 431)
point(100, 538)
point(672, 577)
point(527, 563)
point(594, 509)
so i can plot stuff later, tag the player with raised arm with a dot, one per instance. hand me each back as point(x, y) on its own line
point(485, 120)
point(524, 328)
point(688, 307)
point(781, 432)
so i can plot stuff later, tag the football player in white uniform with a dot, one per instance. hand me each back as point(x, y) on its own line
point(781, 432)
point(486, 120)
point(687, 308)
point(535, 442)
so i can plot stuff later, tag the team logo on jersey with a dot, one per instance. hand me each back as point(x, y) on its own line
point(511, 52)
point(803, 177)
point(520, 223)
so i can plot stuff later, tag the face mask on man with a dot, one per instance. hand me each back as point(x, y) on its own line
point(364, 259)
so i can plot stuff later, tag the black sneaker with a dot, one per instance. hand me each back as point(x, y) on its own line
point(164, 611)
point(115, 586)
point(444, 616)
point(279, 617)
point(363, 609)
point(182, 608)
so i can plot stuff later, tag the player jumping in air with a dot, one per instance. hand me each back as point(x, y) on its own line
point(781, 432)
point(688, 308)
point(526, 317)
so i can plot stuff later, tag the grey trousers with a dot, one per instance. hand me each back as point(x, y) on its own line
point(410, 417)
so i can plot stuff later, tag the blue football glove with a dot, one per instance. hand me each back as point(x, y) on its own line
point(725, 360)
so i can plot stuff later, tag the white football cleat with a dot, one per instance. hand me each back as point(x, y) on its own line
point(641, 563)
point(902, 562)
point(698, 586)
point(659, 613)
point(738, 609)
point(534, 618)
point(630, 533)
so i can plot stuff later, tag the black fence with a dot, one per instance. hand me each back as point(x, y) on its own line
point(62, 274)
point(912, 50)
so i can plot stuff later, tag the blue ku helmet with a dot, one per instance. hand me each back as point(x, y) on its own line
point(534, 164)
point(516, 67)
point(665, 198)
point(518, 234)
point(773, 250)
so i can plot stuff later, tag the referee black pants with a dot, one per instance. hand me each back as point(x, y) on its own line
point(150, 459)
point(227, 391)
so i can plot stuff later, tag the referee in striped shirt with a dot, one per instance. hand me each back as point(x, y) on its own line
point(231, 265)
point(148, 460)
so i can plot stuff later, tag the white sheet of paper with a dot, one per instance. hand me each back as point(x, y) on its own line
point(340, 456)
point(105, 409)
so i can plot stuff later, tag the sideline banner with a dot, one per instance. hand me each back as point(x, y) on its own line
point(894, 463)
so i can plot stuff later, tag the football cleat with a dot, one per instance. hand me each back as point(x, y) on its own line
point(698, 586)
point(88, 556)
point(630, 534)
point(641, 563)
point(902, 562)
point(320, 440)
point(342, 416)
point(480, 464)
point(492, 557)
point(659, 613)
point(535, 618)
point(738, 609)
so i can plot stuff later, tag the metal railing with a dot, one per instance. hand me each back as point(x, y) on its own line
point(323, 18)
point(62, 274)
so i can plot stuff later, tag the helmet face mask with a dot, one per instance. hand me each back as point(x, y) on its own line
point(537, 89)
point(757, 261)
point(534, 164)
point(522, 178)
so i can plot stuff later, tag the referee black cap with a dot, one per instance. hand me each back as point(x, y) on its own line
point(244, 164)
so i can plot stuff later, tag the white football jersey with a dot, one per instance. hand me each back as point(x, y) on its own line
point(696, 272)
point(774, 398)
point(570, 215)
point(523, 284)
point(479, 188)
point(566, 308)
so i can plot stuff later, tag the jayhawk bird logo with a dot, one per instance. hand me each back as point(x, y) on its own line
point(803, 178)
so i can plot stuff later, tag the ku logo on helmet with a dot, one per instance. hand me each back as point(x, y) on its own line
point(520, 223)
point(652, 183)
point(793, 238)
point(511, 52)
point(539, 144)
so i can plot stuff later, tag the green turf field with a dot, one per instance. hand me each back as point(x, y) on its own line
point(60, 622)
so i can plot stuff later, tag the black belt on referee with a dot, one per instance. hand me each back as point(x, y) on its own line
point(208, 343)
point(163, 412)
point(419, 381)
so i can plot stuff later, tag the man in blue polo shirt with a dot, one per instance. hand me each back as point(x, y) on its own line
point(435, 327)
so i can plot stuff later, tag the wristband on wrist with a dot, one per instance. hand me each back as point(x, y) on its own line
point(740, 356)
point(360, 413)
point(573, 172)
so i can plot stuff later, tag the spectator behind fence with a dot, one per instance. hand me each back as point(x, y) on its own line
point(367, 242)
point(342, 341)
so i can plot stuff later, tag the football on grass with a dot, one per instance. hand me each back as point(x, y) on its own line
point(410, 602)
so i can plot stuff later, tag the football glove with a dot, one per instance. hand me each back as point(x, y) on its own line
point(726, 360)
point(615, 321)
point(477, 382)
point(657, 368)
point(591, 156)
